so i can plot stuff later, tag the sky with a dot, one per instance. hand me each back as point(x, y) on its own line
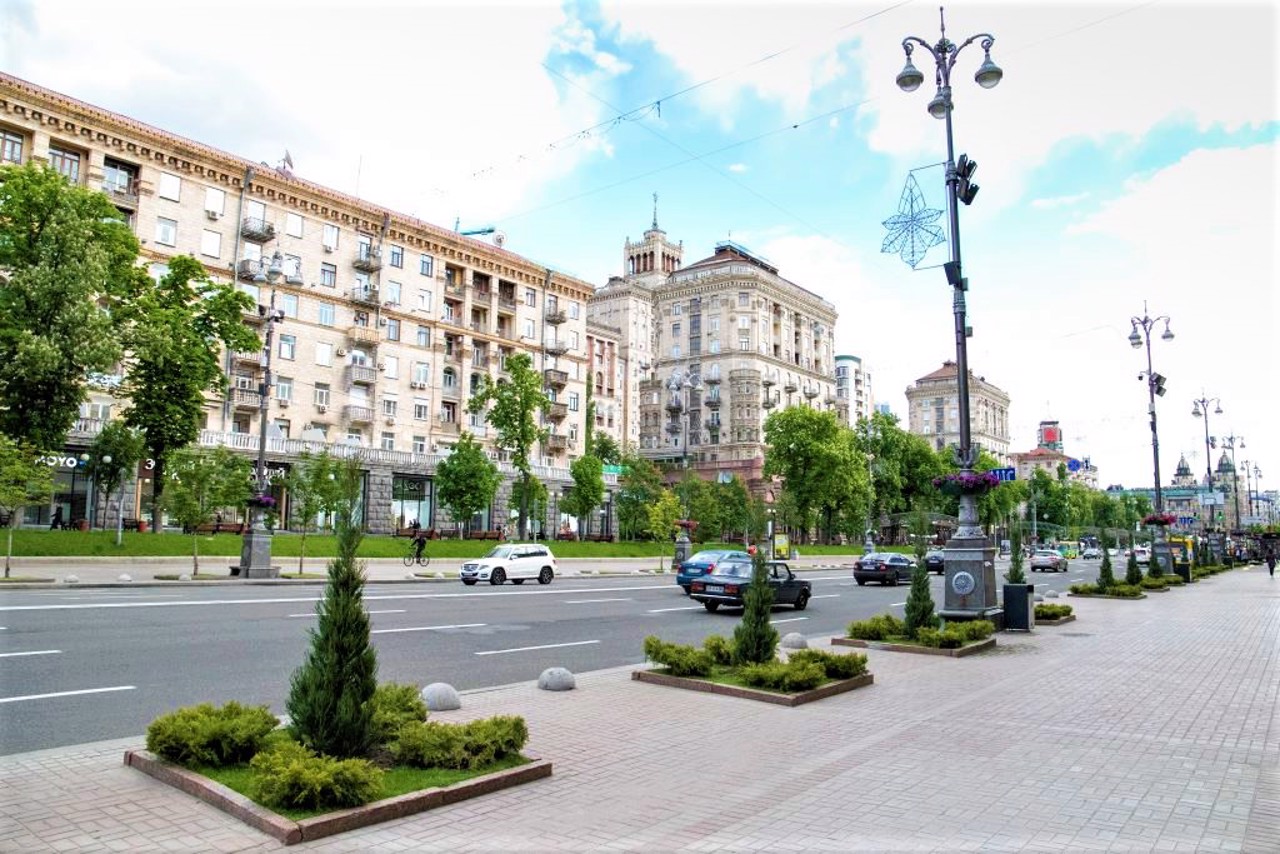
point(1127, 165)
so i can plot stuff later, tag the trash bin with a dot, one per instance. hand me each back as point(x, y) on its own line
point(1183, 570)
point(1019, 607)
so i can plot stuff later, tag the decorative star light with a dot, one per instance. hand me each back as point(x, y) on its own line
point(911, 233)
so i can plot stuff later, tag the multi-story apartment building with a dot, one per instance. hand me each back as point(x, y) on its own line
point(389, 323)
point(933, 411)
point(753, 340)
point(854, 399)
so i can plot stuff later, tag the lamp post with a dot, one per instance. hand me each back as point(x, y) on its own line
point(1257, 490)
point(1155, 388)
point(868, 539)
point(255, 551)
point(682, 383)
point(970, 558)
point(1200, 409)
point(1231, 443)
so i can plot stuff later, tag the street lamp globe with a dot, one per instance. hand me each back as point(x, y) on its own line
point(1168, 334)
point(989, 74)
point(1195, 411)
point(1218, 410)
point(1135, 339)
point(909, 78)
point(939, 105)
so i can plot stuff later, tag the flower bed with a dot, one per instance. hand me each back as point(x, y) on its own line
point(731, 687)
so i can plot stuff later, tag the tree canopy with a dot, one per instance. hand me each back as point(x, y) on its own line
point(513, 405)
point(466, 480)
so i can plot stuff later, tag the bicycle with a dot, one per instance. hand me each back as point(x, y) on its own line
point(413, 557)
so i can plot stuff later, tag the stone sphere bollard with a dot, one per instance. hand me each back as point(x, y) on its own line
point(71, 579)
point(793, 640)
point(1039, 597)
point(184, 577)
point(556, 679)
point(441, 697)
point(124, 576)
point(1051, 594)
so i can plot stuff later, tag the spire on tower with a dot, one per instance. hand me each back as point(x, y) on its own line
point(655, 211)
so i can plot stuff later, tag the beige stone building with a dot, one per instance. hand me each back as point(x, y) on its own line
point(854, 398)
point(389, 323)
point(933, 411)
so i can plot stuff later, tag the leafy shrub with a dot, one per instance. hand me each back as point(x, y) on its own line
point(393, 706)
point(974, 630)
point(1126, 591)
point(947, 638)
point(1052, 612)
point(291, 775)
point(460, 746)
point(720, 649)
point(1174, 580)
point(1086, 589)
point(834, 665)
point(204, 735)
point(1154, 582)
point(681, 660)
point(879, 627)
point(777, 676)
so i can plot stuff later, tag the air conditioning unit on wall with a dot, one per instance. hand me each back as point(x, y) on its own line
point(341, 351)
point(214, 215)
point(321, 408)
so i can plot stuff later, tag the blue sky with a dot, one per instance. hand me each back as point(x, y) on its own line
point(1129, 154)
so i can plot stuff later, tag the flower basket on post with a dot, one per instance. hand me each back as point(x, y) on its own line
point(1159, 520)
point(966, 483)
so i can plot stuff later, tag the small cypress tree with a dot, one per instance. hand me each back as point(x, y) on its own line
point(1106, 578)
point(1015, 575)
point(1154, 569)
point(329, 695)
point(1132, 572)
point(919, 613)
point(755, 640)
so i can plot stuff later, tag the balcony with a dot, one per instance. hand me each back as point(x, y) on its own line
point(712, 379)
point(255, 316)
point(451, 392)
point(479, 360)
point(448, 427)
point(247, 269)
point(481, 294)
point(769, 403)
point(453, 289)
point(366, 295)
point(555, 379)
point(122, 194)
point(243, 398)
point(257, 230)
point(362, 335)
point(811, 393)
point(362, 374)
point(368, 261)
point(506, 303)
point(557, 411)
point(556, 443)
point(830, 399)
point(674, 405)
point(354, 413)
point(767, 381)
point(556, 317)
point(247, 357)
point(505, 332)
point(556, 348)
point(712, 402)
point(790, 387)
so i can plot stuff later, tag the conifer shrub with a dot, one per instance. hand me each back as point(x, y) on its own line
point(879, 627)
point(293, 776)
point(679, 659)
point(720, 649)
point(393, 706)
point(755, 640)
point(462, 746)
point(1106, 576)
point(1132, 572)
point(205, 735)
point(919, 609)
point(834, 665)
point(1015, 575)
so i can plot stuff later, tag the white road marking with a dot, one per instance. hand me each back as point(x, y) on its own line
point(67, 694)
point(665, 610)
point(589, 601)
point(313, 613)
point(897, 604)
point(826, 596)
point(789, 620)
point(33, 652)
point(528, 648)
point(426, 628)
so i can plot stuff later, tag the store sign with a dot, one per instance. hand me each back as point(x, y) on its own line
point(58, 461)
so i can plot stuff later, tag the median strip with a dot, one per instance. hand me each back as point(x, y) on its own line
point(529, 648)
point(67, 694)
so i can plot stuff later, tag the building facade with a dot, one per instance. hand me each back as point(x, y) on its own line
point(389, 323)
point(854, 398)
point(933, 411)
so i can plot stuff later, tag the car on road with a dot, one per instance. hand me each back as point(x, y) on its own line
point(1143, 554)
point(1092, 553)
point(517, 562)
point(700, 563)
point(885, 567)
point(1047, 560)
point(933, 561)
point(727, 584)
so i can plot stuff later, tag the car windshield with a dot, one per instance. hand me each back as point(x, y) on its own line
point(499, 551)
point(733, 569)
point(705, 557)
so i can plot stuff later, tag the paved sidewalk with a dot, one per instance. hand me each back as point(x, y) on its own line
point(1142, 726)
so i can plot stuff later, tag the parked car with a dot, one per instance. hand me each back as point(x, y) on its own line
point(700, 563)
point(727, 585)
point(885, 567)
point(516, 561)
point(933, 561)
point(1047, 560)
point(1092, 553)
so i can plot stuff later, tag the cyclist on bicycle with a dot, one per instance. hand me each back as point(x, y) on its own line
point(419, 541)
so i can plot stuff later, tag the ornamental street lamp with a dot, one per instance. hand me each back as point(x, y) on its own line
point(1257, 490)
point(255, 551)
point(970, 559)
point(682, 384)
point(1231, 443)
point(1155, 388)
point(1200, 409)
point(868, 541)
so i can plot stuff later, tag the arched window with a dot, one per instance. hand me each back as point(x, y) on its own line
point(450, 378)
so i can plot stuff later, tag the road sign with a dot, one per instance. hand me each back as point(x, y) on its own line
point(1005, 474)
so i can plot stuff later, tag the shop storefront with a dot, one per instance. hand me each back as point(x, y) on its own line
point(72, 499)
point(411, 501)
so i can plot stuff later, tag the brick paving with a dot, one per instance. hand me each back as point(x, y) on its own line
point(1142, 726)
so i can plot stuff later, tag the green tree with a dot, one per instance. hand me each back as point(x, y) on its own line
point(330, 695)
point(1106, 577)
point(738, 517)
point(662, 515)
point(66, 255)
point(536, 500)
point(804, 448)
point(24, 481)
point(587, 491)
point(606, 449)
point(904, 465)
point(919, 608)
point(755, 640)
point(466, 480)
point(514, 405)
point(1132, 572)
point(176, 331)
point(639, 487)
point(701, 504)
point(200, 484)
point(313, 491)
point(116, 451)
point(1015, 575)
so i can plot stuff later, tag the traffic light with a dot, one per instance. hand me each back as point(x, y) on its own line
point(965, 188)
point(1157, 384)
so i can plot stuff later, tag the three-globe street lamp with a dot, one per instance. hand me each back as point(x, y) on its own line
point(1200, 409)
point(970, 588)
point(1155, 388)
point(682, 384)
point(1257, 490)
point(1230, 443)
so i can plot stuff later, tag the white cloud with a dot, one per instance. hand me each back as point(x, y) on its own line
point(1059, 201)
point(737, 167)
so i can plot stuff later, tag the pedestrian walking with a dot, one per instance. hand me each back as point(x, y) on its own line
point(1271, 562)
point(56, 522)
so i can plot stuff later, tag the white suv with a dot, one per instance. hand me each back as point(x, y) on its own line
point(516, 561)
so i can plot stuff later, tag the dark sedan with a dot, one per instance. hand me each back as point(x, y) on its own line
point(933, 561)
point(727, 585)
point(702, 562)
point(885, 567)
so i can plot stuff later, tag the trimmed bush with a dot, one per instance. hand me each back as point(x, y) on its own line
point(834, 665)
point(974, 630)
point(720, 649)
point(947, 638)
point(395, 705)
point(777, 676)
point(879, 627)
point(460, 746)
point(1155, 583)
point(1052, 612)
point(291, 775)
point(1173, 580)
point(681, 660)
point(1126, 591)
point(204, 735)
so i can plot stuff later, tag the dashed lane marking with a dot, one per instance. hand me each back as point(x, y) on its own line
point(32, 652)
point(67, 694)
point(542, 646)
point(426, 628)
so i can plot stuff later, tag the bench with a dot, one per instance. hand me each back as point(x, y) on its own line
point(566, 536)
point(129, 524)
point(217, 528)
point(598, 538)
point(493, 534)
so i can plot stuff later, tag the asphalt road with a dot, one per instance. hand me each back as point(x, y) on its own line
point(80, 665)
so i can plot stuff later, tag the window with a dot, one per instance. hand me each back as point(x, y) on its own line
point(284, 388)
point(12, 151)
point(744, 343)
point(677, 309)
point(170, 187)
point(119, 177)
point(425, 301)
point(421, 373)
point(214, 200)
point(528, 329)
point(675, 351)
point(419, 444)
point(65, 162)
point(293, 269)
point(424, 336)
point(391, 367)
point(364, 247)
point(166, 231)
point(744, 299)
point(282, 424)
point(450, 378)
point(322, 394)
point(210, 243)
point(449, 413)
point(393, 329)
point(573, 432)
point(573, 340)
point(289, 304)
point(329, 275)
point(426, 265)
point(573, 401)
point(575, 309)
point(389, 406)
point(675, 330)
point(326, 313)
point(715, 345)
point(293, 225)
point(715, 324)
point(330, 236)
point(324, 354)
point(288, 346)
point(421, 409)
point(388, 441)
point(397, 256)
point(354, 436)
point(391, 292)
point(531, 297)
point(744, 322)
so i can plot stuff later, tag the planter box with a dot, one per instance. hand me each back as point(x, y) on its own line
point(800, 698)
point(1102, 596)
point(967, 649)
point(291, 832)
point(1056, 622)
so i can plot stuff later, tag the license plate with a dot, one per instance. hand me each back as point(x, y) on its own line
point(715, 588)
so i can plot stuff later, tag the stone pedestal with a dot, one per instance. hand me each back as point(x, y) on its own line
point(1160, 550)
point(970, 562)
point(255, 553)
point(684, 548)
